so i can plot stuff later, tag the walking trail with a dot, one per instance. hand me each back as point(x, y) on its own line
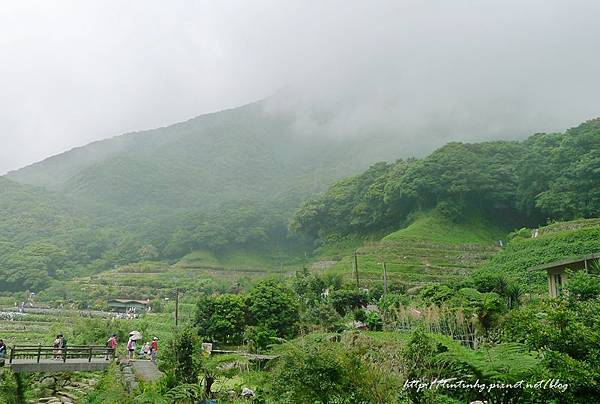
point(145, 370)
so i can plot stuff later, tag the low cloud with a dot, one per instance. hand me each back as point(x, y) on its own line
point(424, 71)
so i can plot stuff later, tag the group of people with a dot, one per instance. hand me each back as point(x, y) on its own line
point(60, 343)
point(148, 350)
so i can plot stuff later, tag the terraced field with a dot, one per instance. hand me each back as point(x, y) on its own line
point(198, 271)
point(27, 328)
point(430, 250)
point(415, 263)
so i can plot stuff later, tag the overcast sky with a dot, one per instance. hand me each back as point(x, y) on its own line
point(75, 71)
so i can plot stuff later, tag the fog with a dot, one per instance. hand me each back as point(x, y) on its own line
point(428, 71)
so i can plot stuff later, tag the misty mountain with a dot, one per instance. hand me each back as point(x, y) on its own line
point(243, 153)
point(226, 178)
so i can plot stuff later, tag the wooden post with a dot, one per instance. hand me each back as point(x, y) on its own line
point(176, 307)
point(12, 351)
point(64, 352)
point(90, 356)
point(385, 282)
point(39, 352)
point(356, 268)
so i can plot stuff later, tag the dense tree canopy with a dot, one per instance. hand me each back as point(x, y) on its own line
point(43, 237)
point(546, 176)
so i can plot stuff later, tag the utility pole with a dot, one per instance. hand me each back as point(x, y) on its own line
point(356, 268)
point(385, 282)
point(176, 307)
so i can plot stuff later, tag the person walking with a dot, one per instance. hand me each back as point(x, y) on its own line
point(2, 349)
point(154, 349)
point(111, 344)
point(56, 346)
point(63, 342)
point(131, 347)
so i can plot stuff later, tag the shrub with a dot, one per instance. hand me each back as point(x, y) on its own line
point(346, 300)
point(274, 306)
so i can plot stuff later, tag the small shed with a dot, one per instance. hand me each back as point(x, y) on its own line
point(557, 270)
point(124, 305)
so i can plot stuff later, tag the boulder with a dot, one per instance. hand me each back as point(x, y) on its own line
point(48, 382)
point(246, 392)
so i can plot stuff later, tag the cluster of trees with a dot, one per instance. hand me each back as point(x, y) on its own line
point(272, 311)
point(42, 238)
point(268, 311)
point(546, 176)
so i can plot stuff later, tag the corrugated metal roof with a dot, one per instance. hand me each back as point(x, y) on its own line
point(129, 301)
point(565, 261)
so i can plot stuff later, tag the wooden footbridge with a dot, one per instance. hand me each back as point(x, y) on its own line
point(77, 358)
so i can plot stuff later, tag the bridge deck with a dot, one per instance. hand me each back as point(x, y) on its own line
point(50, 365)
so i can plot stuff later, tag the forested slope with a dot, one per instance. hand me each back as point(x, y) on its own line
point(231, 180)
point(42, 236)
point(216, 181)
point(547, 176)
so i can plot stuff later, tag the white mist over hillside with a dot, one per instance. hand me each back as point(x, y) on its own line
point(428, 72)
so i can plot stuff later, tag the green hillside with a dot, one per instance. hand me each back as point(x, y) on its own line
point(229, 183)
point(554, 176)
point(554, 242)
point(434, 227)
point(431, 249)
point(222, 181)
point(43, 236)
point(37, 231)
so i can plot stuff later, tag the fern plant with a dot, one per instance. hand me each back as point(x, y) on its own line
point(185, 393)
point(507, 363)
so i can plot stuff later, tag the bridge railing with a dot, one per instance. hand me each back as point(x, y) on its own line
point(38, 352)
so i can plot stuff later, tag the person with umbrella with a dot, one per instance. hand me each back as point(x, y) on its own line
point(133, 337)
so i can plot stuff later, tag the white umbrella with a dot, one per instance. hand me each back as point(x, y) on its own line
point(135, 335)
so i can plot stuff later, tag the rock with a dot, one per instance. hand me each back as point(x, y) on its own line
point(75, 390)
point(46, 399)
point(47, 392)
point(49, 382)
point(246, 392)
point(65, 394)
